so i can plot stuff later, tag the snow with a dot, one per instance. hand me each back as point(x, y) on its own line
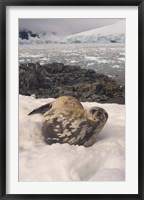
point(42, 39)
point(116, 28)
point(104, 161)
point(107, 34)
point(114, 32)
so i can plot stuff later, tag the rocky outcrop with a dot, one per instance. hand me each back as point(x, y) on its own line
point(24, 34)
point(56, 79)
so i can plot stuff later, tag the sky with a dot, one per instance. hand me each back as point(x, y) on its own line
point(63, 26)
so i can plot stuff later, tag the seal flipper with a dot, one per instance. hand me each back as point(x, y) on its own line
point(41, 109)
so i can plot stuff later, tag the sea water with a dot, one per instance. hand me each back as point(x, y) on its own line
point(108, 59)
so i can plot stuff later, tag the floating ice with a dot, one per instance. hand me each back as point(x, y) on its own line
point(116, 66)
point(121, 59)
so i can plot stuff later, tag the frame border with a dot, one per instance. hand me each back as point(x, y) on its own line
point(3, 5)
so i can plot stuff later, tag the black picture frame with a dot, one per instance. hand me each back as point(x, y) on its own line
point(3, 5)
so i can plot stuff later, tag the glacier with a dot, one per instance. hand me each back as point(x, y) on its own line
point(114, 33)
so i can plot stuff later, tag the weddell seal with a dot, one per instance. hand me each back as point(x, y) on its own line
point(66, 121)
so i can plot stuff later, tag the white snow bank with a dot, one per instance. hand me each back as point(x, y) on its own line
point(104, 161)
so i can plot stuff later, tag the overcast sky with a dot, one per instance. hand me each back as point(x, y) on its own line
point(63, 26)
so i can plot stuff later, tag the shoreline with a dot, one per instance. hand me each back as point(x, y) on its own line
point(56, 79)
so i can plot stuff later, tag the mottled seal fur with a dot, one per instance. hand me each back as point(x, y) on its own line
point(66, 121)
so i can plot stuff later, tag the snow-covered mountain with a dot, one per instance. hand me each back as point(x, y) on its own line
point(38, 38)
point(111, 33)
point(114, 33)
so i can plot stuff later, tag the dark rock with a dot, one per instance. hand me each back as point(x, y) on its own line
point(56, 79)
point(24, 34)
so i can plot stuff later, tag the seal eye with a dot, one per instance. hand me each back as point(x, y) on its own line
point(94, 111)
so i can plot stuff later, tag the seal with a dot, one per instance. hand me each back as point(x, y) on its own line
point(66, 121)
